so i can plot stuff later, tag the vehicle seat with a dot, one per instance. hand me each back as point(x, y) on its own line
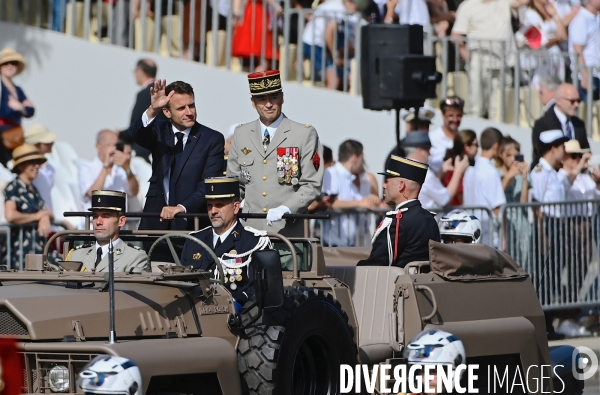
point(372, 289)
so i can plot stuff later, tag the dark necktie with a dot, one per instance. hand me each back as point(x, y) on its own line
point(177, 151)
point(266, 139)
point(569, 130)
point(218, 243)
point(98, 257)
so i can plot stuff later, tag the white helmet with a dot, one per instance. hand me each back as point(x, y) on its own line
point(107, 374)
point(436, 347)
point(460, 223)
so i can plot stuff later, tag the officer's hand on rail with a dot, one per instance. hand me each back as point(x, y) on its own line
point(275, 214)
point(169, 212)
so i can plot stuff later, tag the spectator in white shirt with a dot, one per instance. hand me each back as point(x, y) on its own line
point(584, 41)
point(442, 138)
point(43, 140)
point(350, 183)
point(583, 183)
point(109, 170)
point(433, 194)
point(482, 185)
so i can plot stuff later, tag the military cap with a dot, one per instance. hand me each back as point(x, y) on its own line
point(264, 82)
point(108, 200)
point(405, 168)
point(553, 137)
point(222, 187)
point(426, 114)
point(417, 139)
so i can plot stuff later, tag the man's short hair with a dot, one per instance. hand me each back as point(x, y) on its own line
point(349, 148)
point(489, 137)
point(183, 88)
point(101, 134)
point(148, 67)
point(327, 154)
point(551, 82)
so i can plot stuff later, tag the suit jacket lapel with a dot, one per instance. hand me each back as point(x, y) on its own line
point(257, 138)
point(189, 147)
point(280, 135)
point(170, 142)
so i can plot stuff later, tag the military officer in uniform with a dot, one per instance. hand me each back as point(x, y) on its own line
point(403, 236)
point(230, 241)
point(108, 208)
point(278, 161)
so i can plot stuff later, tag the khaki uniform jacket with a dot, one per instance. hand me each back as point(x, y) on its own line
point(126, 258)
point(257, 172)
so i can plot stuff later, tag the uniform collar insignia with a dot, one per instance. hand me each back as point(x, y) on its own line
point(235, 234)
point(196, 256)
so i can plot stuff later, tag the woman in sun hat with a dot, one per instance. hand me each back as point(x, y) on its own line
point(24, 206)
point(14, 105)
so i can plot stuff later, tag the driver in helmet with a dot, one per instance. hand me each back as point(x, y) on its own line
point(110, 375)
point(459, 227)
point(230, 241)
point(435, 347)
point(108, 208)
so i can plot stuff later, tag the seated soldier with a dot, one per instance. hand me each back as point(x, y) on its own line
point(403, 236)
point(231, 242)
point(108, 218)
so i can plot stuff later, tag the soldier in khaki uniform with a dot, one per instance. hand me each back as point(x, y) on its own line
point(278, 161)
point(108, 208)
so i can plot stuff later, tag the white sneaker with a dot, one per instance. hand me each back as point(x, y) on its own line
point(570, 328)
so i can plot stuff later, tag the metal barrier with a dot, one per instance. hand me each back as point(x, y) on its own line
point(26, 236)
point(205, 30)
point(558, 244)
point(355, 227)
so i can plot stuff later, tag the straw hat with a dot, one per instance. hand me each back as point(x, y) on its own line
point(573, 147)
point(25, 153)
point(10, 55)
point(38, 133)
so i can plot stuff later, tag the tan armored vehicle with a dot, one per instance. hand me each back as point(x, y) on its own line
point(317, 312)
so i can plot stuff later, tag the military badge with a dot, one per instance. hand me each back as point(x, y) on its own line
point(288, 165)
point(316, 160)
point(246, 174)
point(196, 256)
point(246, 151)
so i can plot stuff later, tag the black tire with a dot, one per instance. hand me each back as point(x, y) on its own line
point(297, 349)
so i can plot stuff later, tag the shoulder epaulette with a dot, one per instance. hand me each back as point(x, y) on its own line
point(83, 246)
point(238, 126)
point(135, 247)
point(198, 231)
point(255, 232)
point(308, 125)
point(539, 168)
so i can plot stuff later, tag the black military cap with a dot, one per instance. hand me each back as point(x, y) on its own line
point(405, 168)
point(222, 187)
point(417, 139)
point(108, 200)
point(264, 82)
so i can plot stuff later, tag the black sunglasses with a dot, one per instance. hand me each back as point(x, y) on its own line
point(576, 156)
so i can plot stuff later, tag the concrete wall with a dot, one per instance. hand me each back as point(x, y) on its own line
point(80, 88)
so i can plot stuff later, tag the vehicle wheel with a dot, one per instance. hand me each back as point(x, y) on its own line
point(298, 348)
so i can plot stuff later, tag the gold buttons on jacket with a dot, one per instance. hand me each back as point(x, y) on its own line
point(264, 194)
point(264, 178)
point(264, 209)
point(265, 161)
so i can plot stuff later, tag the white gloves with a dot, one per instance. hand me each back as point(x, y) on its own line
point(275, 214)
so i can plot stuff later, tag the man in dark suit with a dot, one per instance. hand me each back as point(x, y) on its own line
point(184, 153)
point(231, 242)
point(561, 116)
point(144, 73)
point(403, 235)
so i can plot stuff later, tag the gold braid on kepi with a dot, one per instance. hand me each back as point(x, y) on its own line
point(108, 200)
point(264, 82)
point(221, 188)
point(405, 168)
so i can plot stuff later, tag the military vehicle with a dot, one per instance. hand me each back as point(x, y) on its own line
point(314, 310)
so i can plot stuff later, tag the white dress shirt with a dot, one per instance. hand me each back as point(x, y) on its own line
point(403, 203)
point(105, 247)
point(433, 193)
point(564, 121)
point(88, 173)
point(272, 128)
point(440, 143)
point(342, 230)
point(583, 188)
point(186, 134)
point(223, 236)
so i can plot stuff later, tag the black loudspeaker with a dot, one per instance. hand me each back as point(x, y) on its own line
point(390, 54)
